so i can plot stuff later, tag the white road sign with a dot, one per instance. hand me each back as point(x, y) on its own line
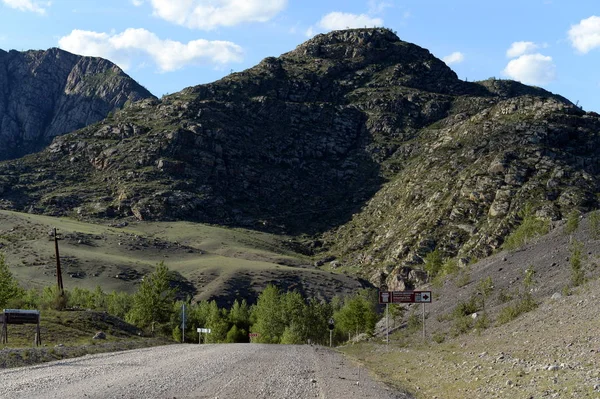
point(204, 330)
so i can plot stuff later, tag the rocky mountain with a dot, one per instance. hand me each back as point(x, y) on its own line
point(368, 144)
point(44, 94)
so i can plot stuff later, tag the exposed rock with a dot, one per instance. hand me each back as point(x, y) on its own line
point(49, 93)
point(369, 144)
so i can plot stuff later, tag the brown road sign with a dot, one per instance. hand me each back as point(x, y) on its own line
point(404, 297)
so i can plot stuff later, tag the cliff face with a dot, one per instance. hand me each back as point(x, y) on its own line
point(44, 94)
point(368, 142)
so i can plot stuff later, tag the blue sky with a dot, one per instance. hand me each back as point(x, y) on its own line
point(167, 45)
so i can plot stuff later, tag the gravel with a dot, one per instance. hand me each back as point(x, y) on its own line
point(199, 371)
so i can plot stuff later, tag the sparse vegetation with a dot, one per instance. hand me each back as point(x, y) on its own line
point(434, 263)
point(531, 226)
point(525, 301)
point(595, 224)
point(577, 270)
point(572, 222)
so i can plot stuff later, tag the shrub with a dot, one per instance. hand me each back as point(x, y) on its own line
point(485, 287)
point(504, 295)
point(511, 312)
point(464, 277)
point(433, 263)
point(525, 302)
point(577, 272)
point(439, 337)
point(462, 325)
point(466, 308)
point(595, 224)
point(530, 227)
point(572, 222)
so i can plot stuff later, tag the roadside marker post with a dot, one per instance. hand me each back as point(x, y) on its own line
point(331, 327)
point(253, 335)
point(202, 330)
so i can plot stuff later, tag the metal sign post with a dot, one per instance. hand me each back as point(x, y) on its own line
point(183, 323)
point(387, 323)
point(388, 297)
point(423, 321)
point(331, 327)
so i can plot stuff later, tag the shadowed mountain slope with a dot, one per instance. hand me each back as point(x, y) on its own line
point(44, 94)
point(368, 142)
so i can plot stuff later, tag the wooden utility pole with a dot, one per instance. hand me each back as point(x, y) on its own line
point(58, 270)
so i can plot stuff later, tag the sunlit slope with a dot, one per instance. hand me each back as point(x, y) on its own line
point(210, 262)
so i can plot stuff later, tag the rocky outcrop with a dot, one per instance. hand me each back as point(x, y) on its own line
point(44, 94)
point(365, 141)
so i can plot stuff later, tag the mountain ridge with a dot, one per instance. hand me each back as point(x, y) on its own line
point(367, 147)
point(47, 93)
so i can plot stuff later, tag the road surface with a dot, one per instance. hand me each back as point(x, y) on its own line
point(198, 371)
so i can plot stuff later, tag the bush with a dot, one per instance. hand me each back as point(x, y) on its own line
point(511, 312)
point(485, 287)
point(439, 337)
point(464, 277)
point(466, 308)
point(595, 224)
point(525, 302)
point(433, 263)
point(572, 222)
point(577, 272)
point(530, 227)
point(462, 325)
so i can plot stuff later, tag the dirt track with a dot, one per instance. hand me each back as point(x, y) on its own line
point(198, 371)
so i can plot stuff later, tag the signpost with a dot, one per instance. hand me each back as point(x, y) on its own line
point(331, 328)
point(183, 323)
point(202, 330)
point(19, 316)
point(253, 335)
point(388, 297)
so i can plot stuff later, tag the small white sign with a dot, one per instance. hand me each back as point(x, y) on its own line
point(204, 330)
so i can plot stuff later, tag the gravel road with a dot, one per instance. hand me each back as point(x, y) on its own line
point(198, 371)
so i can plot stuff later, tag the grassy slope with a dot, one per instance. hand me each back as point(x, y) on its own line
point(217, 262)
point(69, 334)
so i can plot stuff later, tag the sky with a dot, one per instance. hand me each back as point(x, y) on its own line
point(167, 45)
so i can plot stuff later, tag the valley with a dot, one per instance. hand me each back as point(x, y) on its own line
point(211, 262)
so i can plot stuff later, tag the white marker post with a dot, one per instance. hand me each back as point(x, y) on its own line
point(202, 330)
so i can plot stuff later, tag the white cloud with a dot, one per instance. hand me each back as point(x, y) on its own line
point(535, 69)
point(28, 5)
point(169, 55)
point(585, 36)
point(518, 49)
point(137, 3)
point(342, 20)
point(455, 58)
point(310, 32)
point(210, 14)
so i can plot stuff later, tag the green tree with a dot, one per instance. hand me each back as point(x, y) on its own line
point(577, 271)
point(217, 322)
point(267, 316)
point(119, 304)
point(152, 303)
point(9, 287)
point(433, 263)
point(359, 313)
point(572, 222)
